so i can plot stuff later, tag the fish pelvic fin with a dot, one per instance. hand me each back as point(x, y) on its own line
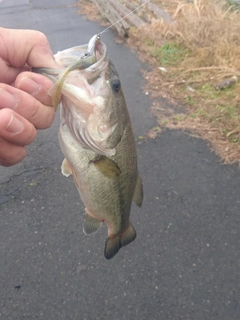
point(106, 166)
point(66, 168)
point(138, 192)
point(114, 244)
point(90, 224)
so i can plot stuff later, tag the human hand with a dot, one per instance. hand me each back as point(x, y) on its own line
point(24, 103)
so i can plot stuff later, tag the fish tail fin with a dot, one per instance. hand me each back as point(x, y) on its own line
point(114, 244)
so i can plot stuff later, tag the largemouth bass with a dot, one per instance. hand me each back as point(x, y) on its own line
point(97, 140)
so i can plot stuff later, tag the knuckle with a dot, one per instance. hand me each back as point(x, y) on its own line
point(42, 42)
point(42, 116)
point(30, 136)
point(10, 154)
point(36, 116)
point(39, 37)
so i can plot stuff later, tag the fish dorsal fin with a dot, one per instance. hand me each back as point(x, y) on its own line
point(138, 192)
point(106, 166)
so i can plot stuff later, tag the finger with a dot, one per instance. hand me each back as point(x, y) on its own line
point(32, 47)
point(10, 154)
point(35, 84)
point(40, 115)
point(15, 129)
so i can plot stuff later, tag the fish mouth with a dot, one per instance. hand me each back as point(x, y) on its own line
point(81, 90)
point(84, 95)
point(94, 49)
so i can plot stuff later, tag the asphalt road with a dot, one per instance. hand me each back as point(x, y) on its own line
point(185, 262)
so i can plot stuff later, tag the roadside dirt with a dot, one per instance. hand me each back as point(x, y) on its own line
point(195, 63)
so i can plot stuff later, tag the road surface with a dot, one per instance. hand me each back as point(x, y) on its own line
point(185, 262)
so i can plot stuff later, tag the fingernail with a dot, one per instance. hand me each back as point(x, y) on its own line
point(14, 125)
point(7, 100)
point(29, 85)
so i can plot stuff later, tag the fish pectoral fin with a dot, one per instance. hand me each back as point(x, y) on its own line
point(114, 244)
point(138, 192)
point(106, 166)
point(66, 168)
point(90, 224)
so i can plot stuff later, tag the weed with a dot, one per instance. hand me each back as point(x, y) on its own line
point(200, 113)
point(178, 118)
point(190, 101)
point(169, 54)
point(201, 49)
point(233, 4)
point(234, 140)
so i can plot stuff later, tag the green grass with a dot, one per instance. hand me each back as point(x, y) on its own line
point(178, 118)
point(190, 101)
point(235, 5)
point(169, 54)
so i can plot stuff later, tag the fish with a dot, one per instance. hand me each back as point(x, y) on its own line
point(97, 140)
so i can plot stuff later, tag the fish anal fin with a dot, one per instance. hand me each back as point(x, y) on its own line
point(66, 168)
point(90, 224)
point(138, 192)
point(114, 244)
point(106, 166)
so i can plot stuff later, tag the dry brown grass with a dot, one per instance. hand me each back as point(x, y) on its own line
point(206, 39)
point(198, 51)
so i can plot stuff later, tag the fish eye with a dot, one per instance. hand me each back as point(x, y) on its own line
point(116, 85)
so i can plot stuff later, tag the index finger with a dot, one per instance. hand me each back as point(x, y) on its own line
point(18, 47)
point(41, 116)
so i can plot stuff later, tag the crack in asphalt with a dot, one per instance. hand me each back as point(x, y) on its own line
point(16, 183)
